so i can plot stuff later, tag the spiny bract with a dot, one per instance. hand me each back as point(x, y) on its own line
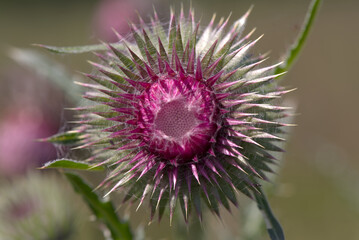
point(184, 116)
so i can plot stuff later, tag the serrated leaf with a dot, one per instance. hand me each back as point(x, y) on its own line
point(71, 164)
point(66, 138)
point(103, 210)
point(273, 227)
point(78, 49)
point(296, 48)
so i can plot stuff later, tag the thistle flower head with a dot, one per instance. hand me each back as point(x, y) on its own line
point(35, 207)
point(183, 116)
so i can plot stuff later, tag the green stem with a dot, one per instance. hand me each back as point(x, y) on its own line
point(273, 227)
point(296, 48)
point(103, 210)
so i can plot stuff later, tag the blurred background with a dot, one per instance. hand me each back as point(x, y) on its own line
point(317, 194)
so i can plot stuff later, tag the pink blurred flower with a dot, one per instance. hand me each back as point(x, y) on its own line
point(29, 110)
point(115, 14)
point(19, 149)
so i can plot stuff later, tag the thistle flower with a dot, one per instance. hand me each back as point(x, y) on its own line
point(19, 150)
point(114, 14)
point(35, 207)
point(26, 117)
point(185, 117)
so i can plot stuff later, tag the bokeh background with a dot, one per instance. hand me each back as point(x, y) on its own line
point(317, 191)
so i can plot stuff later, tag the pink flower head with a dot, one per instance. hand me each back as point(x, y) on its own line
point(113, 15)
point(183, 116)
point(20, 149)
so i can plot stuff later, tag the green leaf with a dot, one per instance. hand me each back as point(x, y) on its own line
point(71, 164)
point(273, 227)
point(103, 210)
point(48, 69)
point(66, 138)
point(296, 48)
point(78, 49)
